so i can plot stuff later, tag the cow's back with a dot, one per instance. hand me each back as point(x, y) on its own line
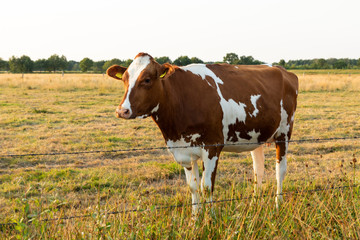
point(242, 81)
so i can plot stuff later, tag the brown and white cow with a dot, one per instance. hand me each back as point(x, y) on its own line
point(212, 108)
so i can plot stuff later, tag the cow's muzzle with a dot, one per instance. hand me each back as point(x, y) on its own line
point(123, 113)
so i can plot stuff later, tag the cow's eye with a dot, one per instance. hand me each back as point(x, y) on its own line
point(147, 81)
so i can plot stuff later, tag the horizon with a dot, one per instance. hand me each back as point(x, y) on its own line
point(172, 60)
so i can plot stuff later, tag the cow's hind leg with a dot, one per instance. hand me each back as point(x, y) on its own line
point(281, 151)
point(192, 179)
point(210, 159)
point(258, 164)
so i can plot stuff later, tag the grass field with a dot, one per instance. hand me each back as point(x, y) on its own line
point(43, 113)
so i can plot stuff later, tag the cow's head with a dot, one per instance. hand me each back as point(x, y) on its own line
point(143, 86)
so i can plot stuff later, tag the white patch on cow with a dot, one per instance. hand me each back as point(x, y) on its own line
point(209, 165)
point(196, 69)
point(155, 109)
point(280, 170)
point(182, 152)
point(232, 111)
point(202, 71)
point(253, 99)
point(143, 116)
point(237, 67)
point(280, 175)
point(254, 136)
point(194, 137)
point(243, 144)
point(193, 180)
point(284, 127)
point(258, 165)
point(293, 117)
point(134, 70)
point(187, 156)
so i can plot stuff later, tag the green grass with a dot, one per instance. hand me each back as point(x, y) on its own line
point(71, 115)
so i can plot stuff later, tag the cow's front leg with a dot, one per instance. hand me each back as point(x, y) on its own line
point(187, 158)
point(258, 164)
point(210, 159)
point(192, 179)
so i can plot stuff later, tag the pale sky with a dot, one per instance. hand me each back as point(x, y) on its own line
point(106, 29)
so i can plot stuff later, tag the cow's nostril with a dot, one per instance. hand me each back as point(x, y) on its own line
point(123, 112)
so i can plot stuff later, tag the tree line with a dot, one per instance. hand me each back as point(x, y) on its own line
point(321, 63)
point(25, 64)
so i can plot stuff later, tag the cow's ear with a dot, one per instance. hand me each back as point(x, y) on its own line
point(166, 70)
point(116, 71)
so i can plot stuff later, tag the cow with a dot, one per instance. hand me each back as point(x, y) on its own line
point(204, 109)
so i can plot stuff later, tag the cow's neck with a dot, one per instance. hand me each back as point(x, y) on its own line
point(170, 115)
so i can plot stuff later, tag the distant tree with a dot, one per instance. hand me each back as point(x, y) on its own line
point(163, 60)
point(98, 66)
point(319, 63)
point(73, 66)
point(55, 62)
point(358, 63)
point(196, 60)
point(231, 58)
point(182, 61)
point(340, 64)
point(282, 63)
point(4, 65)
point(41, 65)
point(248, 60)
point(111, 62)
point(86, 64)
point(331, 62)
point(24, 64)
point(14, 65)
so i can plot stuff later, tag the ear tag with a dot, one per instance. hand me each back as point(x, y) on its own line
point(119, 75)
point(163, 75)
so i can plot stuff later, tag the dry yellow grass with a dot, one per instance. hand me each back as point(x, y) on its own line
point(307, 82)
point(58, 81)
point(329, 82)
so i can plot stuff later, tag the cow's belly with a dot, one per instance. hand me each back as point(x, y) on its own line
point(244, 145)
point(238, 148)
point(186, 155)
